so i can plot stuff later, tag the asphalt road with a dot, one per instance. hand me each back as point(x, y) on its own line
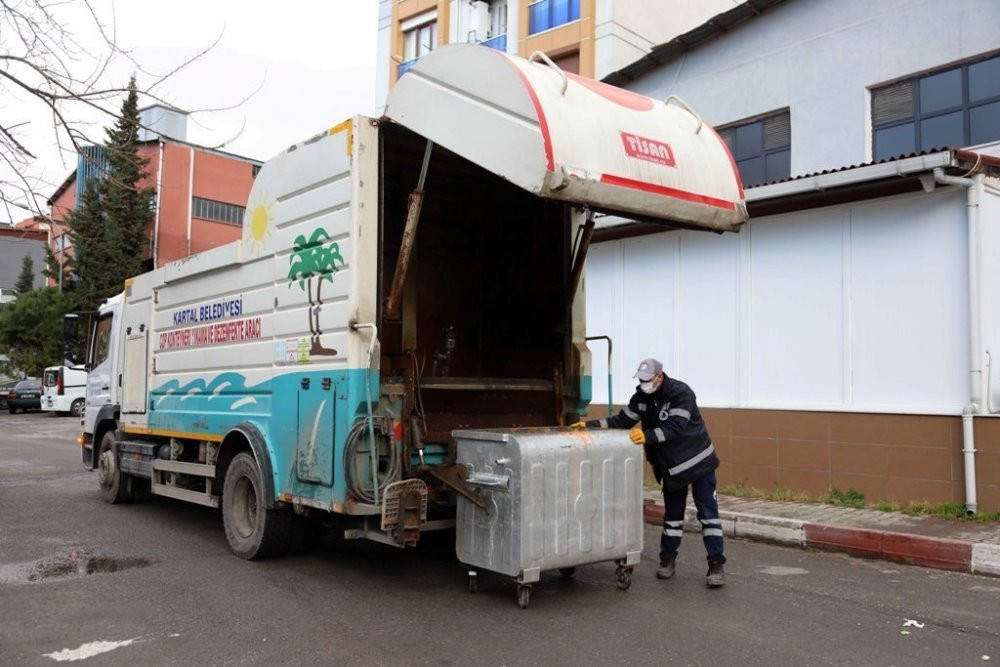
point(156, 583)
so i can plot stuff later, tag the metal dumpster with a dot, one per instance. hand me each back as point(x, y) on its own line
point(554, 498)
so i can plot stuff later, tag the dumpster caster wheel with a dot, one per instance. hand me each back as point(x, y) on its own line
point(523, 595)
point(567, 571)
point(473, 581)
point(623, 577)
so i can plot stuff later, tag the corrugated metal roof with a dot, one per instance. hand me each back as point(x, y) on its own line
point(715, 26)
point(993, 163)
point(869, 180)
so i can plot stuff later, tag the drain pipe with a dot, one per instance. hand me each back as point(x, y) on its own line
point(973, 186)
point(159, 204)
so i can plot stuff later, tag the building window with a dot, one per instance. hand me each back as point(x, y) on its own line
point(218, 211)
point(568, 62)
point(419, 38)
point(548, 14)
point(63, 242)
point(486, 21)
point(954, 107)
point(762, 147)
point(254, 170)
point(496, 32)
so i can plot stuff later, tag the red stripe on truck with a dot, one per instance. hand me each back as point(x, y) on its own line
point(623, 182)
point(543, 125)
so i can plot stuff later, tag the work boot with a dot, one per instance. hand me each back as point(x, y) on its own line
point(716, 575)
point(667, 567)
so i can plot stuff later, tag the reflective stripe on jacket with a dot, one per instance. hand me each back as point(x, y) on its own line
point(677, 442)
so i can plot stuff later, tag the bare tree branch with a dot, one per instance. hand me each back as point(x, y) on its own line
point(55, 61)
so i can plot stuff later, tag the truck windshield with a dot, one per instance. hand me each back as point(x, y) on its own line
point(51, 378)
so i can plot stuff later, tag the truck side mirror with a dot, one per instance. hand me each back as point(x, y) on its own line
point(71, 339)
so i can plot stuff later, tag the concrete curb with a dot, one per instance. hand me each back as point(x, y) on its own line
point(933, 552)
point(986, 559)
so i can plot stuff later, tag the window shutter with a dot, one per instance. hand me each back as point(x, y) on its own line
point(777, 131)
point(892, 103)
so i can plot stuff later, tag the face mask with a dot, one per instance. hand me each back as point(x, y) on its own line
point(648, 387)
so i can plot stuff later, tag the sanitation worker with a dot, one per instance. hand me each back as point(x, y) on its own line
point(664, 418)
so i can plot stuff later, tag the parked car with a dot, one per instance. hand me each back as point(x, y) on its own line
point(26, 395)
point(5, 388)
point(64, 390)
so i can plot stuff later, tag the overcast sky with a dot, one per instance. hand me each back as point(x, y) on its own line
point(312, 60)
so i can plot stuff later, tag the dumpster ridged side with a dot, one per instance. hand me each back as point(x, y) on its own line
point(572, 498)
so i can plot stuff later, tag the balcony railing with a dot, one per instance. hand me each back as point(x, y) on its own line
point(499, 42)
point(403, 68)
point(547, 14)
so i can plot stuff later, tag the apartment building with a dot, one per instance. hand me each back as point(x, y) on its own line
point(200, 193)
point(588, 37)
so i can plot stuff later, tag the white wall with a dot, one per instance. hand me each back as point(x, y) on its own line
point(989, 297)
point(819, 58)
point(626, 30)
point(854, 307)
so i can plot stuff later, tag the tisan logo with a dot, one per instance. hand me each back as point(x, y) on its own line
point(648, 149)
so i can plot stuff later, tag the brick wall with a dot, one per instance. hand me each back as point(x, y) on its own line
point(901, 458)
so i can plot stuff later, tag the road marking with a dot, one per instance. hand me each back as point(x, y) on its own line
point(781, 571)
point(87, 650)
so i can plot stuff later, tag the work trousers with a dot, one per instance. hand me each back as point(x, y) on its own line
point(705, 501)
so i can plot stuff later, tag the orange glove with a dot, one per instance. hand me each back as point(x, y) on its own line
point(578, 425)
point(637, 435)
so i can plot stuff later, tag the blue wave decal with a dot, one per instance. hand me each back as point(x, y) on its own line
point(226, 393)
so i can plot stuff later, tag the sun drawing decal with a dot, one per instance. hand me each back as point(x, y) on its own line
point(257, 226)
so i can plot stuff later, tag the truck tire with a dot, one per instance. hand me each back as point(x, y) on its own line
point(252, 530)
point(76, 409)
point(114, 488)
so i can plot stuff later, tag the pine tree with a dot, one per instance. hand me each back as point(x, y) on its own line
point(53, 269)
point(109, 228)
point(25, 279)
point(90, 258)
point(127, 207)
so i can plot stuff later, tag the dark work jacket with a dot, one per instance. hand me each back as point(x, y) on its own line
point(677, 442)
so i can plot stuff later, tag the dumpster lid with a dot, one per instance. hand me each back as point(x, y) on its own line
point(569, 138)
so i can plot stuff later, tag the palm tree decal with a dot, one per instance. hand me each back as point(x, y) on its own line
point(318, 259)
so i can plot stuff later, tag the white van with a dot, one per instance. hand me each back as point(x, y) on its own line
point(64, 390)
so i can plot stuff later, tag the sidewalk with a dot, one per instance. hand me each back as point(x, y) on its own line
point(961, 546)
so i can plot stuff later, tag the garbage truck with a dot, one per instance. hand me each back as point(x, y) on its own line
point(399, 280)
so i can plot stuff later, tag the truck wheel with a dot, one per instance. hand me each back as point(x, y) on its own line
point(253, 531)
point(76, 409)
point(114, 489)
point(137, 489)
